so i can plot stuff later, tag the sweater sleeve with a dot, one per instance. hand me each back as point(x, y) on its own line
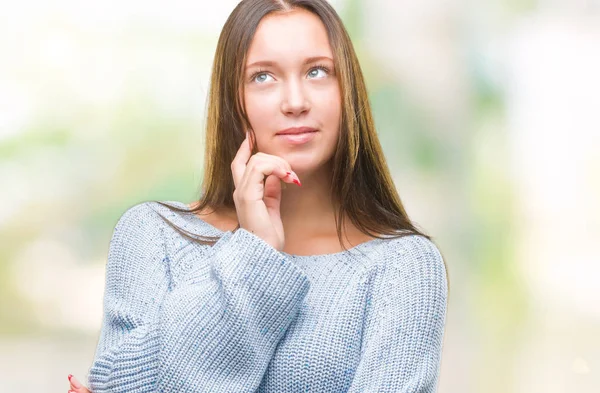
point(137, 281)
point(215, 331)
point(404, 328)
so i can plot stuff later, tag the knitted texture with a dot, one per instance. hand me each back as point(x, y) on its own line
point(241, 316)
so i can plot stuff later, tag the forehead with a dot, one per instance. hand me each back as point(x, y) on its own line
point(289, 36)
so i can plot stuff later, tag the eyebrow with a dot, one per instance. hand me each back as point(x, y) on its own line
point(267, 63)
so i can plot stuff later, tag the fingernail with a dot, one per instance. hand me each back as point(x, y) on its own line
point(295, 178)
point(75, 382)
point(70, 376)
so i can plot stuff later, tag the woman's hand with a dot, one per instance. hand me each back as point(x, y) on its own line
point(76, 386)
point(257, 200)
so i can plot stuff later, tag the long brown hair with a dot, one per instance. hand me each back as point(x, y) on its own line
point(361, 185)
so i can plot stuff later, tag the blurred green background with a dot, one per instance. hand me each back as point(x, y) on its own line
point(487, 112)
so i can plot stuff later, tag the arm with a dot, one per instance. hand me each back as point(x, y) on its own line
point(137, 281)
point(216, 331)
point(404, 328)
point(219, 333)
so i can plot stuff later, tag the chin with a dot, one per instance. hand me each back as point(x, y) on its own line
point(304, 159)
point(307, 166)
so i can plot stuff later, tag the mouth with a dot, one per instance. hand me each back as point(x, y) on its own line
point(297, 131)
point(297, 136)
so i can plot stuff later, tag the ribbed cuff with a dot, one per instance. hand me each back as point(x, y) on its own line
point(271, 282)
point(132, 366)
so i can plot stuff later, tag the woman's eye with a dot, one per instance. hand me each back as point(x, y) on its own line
point(315, 72)
point(261, 78)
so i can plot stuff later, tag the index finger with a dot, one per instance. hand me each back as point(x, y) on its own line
point(238, 165)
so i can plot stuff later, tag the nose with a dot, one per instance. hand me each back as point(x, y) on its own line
point(295, 100)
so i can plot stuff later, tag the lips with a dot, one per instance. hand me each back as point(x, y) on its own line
point(296, 130)
point(298, 136)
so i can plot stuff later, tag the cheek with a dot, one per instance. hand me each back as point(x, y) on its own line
point(260, 109)
point(328, 105)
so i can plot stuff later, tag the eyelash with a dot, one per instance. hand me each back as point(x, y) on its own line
point(318, 66)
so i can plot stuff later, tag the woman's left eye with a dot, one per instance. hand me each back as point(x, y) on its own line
point(315, 71)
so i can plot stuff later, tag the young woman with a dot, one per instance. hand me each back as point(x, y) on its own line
point(298, 269)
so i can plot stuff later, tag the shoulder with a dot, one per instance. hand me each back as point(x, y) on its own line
point(415, 261)
point(139, 224)
point(137, 254)
point(143, 214)
point(415, 248)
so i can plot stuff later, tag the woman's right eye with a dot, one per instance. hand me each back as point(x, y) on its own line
point(260, 77)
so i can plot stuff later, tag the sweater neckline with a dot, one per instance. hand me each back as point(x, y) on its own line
point(347, 252)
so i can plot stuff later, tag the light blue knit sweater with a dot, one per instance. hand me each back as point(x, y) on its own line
point(243, 317)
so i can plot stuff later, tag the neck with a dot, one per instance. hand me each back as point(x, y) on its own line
point(308, 208)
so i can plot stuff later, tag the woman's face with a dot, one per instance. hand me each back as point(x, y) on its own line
point(290, 82)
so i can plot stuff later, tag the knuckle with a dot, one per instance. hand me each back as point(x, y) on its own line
point(261, 167)
point(251, 162)
point(285, 165)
